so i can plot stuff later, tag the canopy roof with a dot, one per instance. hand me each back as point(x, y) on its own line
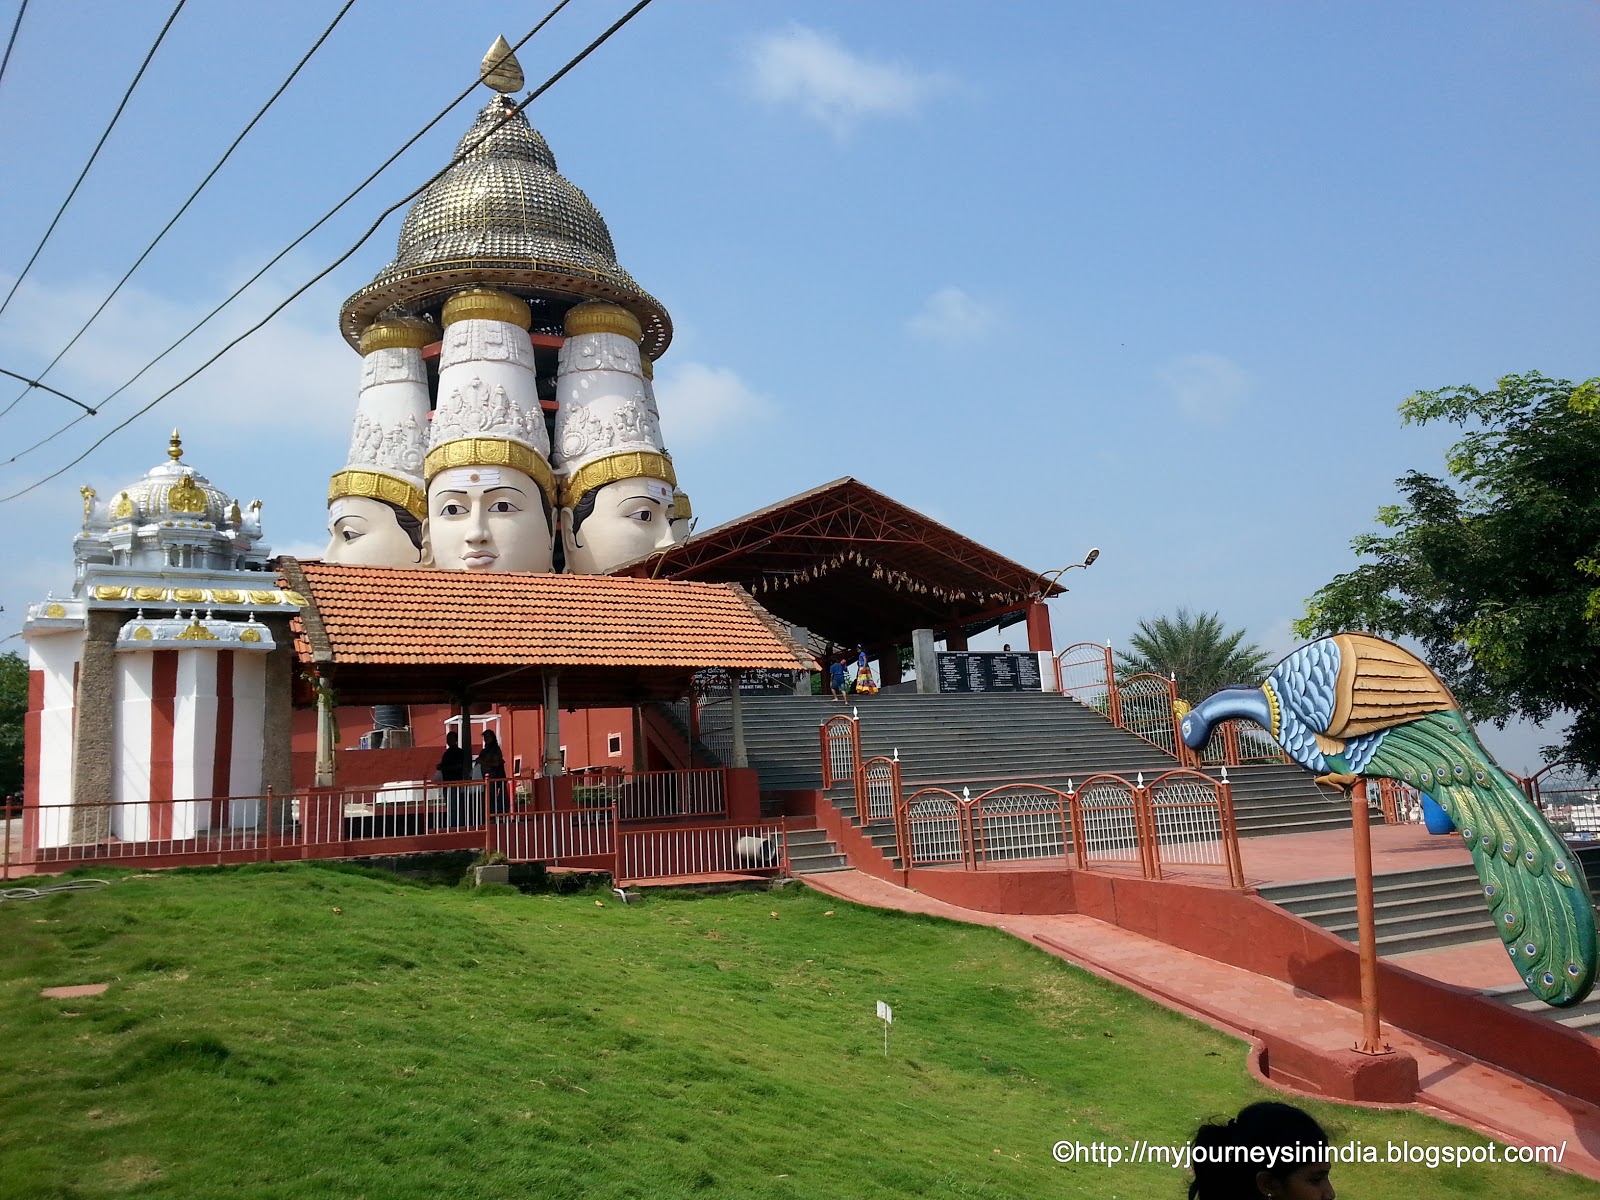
point(397, 636)
point(855, 567)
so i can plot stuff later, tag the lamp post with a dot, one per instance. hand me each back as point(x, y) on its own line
point(1050, 577)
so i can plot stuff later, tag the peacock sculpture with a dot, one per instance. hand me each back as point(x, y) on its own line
point(1354, 705)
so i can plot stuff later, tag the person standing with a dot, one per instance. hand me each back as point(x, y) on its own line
point(838, 679)
point(492, 770)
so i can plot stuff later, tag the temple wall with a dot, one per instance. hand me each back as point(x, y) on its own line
point(47, 754)
point(94, 748)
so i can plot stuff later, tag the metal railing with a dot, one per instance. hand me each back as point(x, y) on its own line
point(1182, 817)
point(1085, 672)
point(527, 819)
point(841, 750)
point(656, 795)
point(709, 850)
point(878, 788)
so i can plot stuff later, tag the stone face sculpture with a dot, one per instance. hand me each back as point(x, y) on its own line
point(376, 504)
point(616, 480)
point(1354, 705)
point(490, 486)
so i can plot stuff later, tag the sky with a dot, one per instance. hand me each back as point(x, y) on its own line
point(1149, 277)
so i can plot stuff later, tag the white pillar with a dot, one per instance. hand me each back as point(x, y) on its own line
point(54, 656)
point(194, 742)
point(130, 777)
point(249, 737)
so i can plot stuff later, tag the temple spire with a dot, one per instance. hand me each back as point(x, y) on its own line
point(501, 70)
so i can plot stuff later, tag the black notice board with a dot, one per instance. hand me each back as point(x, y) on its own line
point(980, 671)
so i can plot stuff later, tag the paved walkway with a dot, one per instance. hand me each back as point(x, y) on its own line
point(1457, 1088)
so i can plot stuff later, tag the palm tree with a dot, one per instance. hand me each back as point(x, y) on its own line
point(1197, 650)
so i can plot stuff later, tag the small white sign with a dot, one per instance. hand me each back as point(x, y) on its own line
point(885, 1013)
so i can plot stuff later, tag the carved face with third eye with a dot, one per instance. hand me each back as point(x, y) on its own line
point(616, 523)
point(488, 519)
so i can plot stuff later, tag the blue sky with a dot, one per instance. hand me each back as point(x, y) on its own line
point(1151, 277)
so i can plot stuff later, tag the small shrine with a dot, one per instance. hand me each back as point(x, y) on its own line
point(152, 674)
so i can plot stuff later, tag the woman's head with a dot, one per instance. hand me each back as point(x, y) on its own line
point(1270, 1151)
point(490, 741)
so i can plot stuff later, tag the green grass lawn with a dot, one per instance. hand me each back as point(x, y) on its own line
point(257, 1041)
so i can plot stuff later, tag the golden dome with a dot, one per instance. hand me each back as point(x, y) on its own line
point(171, 491)
point(504, 217)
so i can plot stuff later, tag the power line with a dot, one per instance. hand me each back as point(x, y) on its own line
point(93, 154)
point(184, 207)
point(12, 40)
point(331, 267)
point(278, 257)
point(34, 383)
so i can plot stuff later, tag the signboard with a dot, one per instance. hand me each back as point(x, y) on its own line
point(980, 671)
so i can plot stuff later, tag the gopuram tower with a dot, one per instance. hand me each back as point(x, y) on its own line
point(506, 419)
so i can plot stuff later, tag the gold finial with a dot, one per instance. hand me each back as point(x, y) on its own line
point(175, 447)
point(500, 69)
point(87, 493)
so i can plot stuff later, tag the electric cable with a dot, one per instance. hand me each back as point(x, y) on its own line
point(12, 40)
point(93, 154)
point(278, 257)
point(34, 383)
point(184, 207)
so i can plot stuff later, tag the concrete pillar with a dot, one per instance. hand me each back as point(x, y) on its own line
point(327, 730)
point(551, 764)
point(95, 738)
point(739, 758)
point(924, 659)
point(1039, 637)
point(277, 731)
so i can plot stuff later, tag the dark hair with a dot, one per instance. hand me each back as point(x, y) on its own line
point(490, 741)
point(404, 518)
point(582, 510)
point(1268, 1125)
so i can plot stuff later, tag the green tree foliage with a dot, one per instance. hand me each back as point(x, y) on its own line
point(1493, 569)
point(13, 708)
point(1197, 650)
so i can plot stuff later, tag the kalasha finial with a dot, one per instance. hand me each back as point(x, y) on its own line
point(175, 447)
point(500, 69)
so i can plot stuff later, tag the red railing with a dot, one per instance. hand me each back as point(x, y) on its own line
point(1146, 705)
point(526, 819)
point(878, 788)
point(841, 749)
point(656, 795)
point(1182, 817)
point(759, 849)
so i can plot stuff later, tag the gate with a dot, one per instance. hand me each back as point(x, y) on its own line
point(1145, 703)
point(841, 750)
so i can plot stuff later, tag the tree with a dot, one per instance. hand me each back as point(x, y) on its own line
point(1197, 651)
point(13, 708)
point(1493, 569)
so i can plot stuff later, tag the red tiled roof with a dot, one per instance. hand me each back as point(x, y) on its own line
point(373, 615)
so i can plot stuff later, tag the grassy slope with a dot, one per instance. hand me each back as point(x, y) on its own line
point(429, 1042)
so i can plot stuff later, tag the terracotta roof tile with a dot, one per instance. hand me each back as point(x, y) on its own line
point(377, 615)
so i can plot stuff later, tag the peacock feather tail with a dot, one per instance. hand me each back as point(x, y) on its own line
point(1355, 705)
point(1534, 888)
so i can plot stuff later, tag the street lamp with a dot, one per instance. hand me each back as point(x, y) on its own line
point(1051, 577)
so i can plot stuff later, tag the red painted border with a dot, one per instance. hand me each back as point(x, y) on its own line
point(222, 754)
point(163, 701)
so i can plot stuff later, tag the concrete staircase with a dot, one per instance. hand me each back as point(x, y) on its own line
point(978, 741)
point(1415, 910)
point(811, 853)
point(1584, 1017)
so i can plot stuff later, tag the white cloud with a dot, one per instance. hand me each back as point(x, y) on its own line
point(953, 315)
point(812, 71)
point(701, 404)
point(1207, 387)
point(286, 375)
